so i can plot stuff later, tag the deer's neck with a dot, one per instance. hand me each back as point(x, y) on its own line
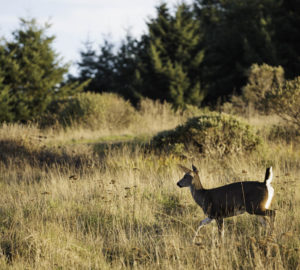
point(198, 195)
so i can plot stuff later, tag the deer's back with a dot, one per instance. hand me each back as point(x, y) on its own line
point(235, 198)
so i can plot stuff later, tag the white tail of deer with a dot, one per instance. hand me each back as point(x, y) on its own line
point(230, 200)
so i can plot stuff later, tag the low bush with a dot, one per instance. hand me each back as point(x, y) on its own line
point(262, 80)
point(284, 100)
point(212, 133)
point(91, 110)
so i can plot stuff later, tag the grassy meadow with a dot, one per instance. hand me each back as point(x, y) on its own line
point(98, 198)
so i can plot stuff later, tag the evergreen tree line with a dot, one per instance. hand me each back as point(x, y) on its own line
point(192, 54)
point(32, 74)
point(197, 54)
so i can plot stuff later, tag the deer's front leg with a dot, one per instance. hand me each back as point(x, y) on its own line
point(202, 223)
point(220, 223)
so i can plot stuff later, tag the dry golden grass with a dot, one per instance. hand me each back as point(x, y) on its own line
point(71, 207)
point(150, 118)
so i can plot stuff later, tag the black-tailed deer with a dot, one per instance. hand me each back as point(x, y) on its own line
point(230, 200)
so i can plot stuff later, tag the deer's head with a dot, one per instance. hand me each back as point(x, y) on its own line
point(190, 178)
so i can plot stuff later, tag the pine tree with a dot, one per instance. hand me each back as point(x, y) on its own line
point(237, 34)
point(87, 65)
point(6, 101)
point(286, 26)
point(99, 68)
point(32, 70)
point(111, 69)
point(127, 59)
point(172, 69)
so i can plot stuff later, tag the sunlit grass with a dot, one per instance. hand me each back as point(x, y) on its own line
point(121, 208)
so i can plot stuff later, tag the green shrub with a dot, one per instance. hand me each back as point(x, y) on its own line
point(91, 110)
point(262, 80)
point(212, 133)
point(284, 100)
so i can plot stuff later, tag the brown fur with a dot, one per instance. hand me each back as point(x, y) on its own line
point(229, 200)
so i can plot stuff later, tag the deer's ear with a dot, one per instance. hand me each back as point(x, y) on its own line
point(195, 169)
point(183, 168)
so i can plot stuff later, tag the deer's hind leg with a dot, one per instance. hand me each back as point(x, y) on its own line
point(264, 214)
point(271, 214)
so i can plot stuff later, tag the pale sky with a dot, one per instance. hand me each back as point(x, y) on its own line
point(76, 21)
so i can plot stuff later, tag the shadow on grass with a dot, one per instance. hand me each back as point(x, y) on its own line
point(102, 148)
point(20, 153)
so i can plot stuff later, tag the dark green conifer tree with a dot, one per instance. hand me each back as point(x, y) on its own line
point(286, 28)
point(87, 66)
point(237, 34)
point(6, 101)
point(99, 68)
point(171, 68)
point(111, 69)
point(32, 70)
point(127, 59)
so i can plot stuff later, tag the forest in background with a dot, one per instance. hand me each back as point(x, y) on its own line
point(199, 55)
